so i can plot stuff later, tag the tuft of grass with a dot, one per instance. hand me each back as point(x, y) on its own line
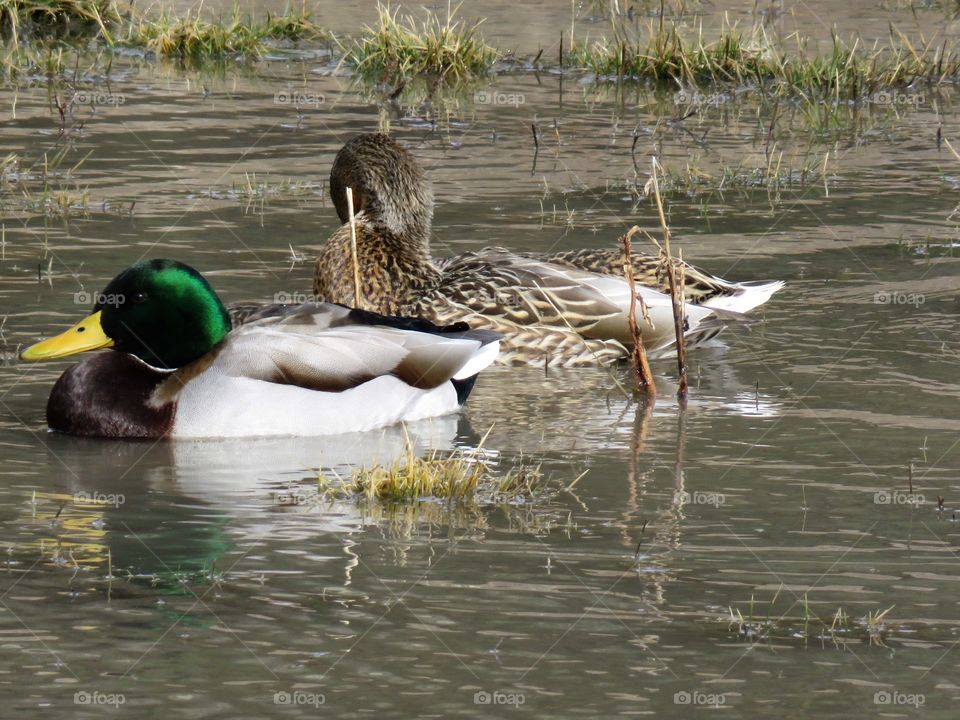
point(31, 25)
point(457, 477)
point(844, 71)
point(401, 47)
point(293, 24)
point(192, 36)
point(44, 17)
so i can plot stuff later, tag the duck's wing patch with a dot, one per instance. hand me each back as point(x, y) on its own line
point(528, 290)
point(525, 291)
point(321, 349)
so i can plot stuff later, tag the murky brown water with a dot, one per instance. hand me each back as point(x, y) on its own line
point(701, 560)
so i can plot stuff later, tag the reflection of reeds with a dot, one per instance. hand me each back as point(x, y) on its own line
point(776, 173)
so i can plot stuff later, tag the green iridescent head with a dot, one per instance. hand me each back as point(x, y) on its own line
point(162, 311)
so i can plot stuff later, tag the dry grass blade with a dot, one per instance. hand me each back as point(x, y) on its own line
point(353, 250)
point(676, 292)
point(645, 382)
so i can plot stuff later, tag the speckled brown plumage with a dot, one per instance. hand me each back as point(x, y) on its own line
point(546, 305)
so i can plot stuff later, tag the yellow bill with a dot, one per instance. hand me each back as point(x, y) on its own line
point(85, 335)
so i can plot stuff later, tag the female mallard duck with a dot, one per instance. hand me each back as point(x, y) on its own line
point(179, 370)
point(565, 308)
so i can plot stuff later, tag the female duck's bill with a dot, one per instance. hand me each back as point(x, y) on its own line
point(560, 308)
point(178, 369)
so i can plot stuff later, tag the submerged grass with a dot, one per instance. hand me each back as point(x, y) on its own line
point(400, 47)
point(774, 173)
point(763, 624)
point(257, 189)
point(846, 70)
point(45, 188)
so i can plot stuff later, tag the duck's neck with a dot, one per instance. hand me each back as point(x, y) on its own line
point(409, 223)
point(396, 272)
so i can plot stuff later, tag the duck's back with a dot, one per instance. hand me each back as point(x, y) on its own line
point(547, 312)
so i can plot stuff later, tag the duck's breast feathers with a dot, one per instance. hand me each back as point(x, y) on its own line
point(109, 396)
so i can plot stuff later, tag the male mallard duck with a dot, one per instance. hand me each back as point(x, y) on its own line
point(179, 370)
point(565, 308)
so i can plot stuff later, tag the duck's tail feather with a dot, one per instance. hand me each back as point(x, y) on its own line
point(466, 377)
point(483, 357)
point(748, 295)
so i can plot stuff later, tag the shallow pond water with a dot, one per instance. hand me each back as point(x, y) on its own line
point(775, 549)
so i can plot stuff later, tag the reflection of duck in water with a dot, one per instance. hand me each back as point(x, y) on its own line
point(565, 308)
point(311, 369)
point(100, 515)
point(173, 511)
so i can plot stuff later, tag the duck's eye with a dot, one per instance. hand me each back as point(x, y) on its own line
point(138, 297)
